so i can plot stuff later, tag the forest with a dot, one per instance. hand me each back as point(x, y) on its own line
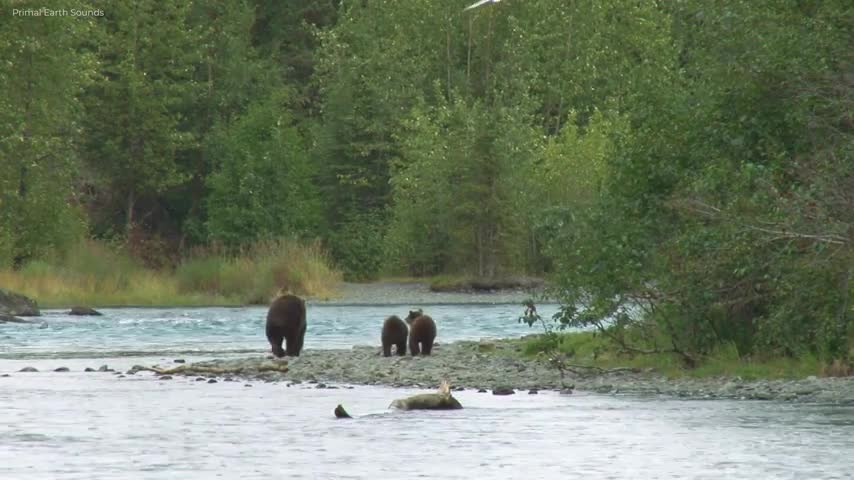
point(681, 171)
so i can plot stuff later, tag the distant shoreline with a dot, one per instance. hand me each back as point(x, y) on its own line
point(381, 292)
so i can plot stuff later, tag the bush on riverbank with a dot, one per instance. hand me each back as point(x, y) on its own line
point(97, 273)
point(258, 272)
point(590, 349)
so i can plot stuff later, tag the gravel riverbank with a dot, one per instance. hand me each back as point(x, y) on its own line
point(496, 365)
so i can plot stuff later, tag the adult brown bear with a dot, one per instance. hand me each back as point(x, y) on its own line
point(286, 321)
point(394, 332)
point(422, 332)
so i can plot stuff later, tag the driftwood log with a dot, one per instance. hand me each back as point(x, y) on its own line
point(224, 368)
point(442, 400)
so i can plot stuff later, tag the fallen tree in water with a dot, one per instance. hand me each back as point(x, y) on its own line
point(442, 400)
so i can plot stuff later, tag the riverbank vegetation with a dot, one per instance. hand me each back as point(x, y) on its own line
point(587, 353)
point(682, 170)
point(96, 273)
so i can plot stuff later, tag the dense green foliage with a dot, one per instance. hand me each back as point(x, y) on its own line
point(682, 169)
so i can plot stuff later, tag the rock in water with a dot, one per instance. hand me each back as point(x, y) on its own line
point(443, 400)
point(84, 311)
point(341, 413)
point(15, 304)
point(6, 318)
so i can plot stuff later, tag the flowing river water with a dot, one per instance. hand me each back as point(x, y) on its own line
point(76, 425)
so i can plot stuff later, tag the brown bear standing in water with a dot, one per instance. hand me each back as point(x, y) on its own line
point(422, 330)
point(394, 332)
point(286, 321)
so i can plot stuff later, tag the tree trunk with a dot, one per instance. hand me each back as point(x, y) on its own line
point(468, 58)
point(131, 200)
point(448, 56)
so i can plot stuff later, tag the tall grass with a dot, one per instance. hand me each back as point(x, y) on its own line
point(259, 272)
point(97, 274)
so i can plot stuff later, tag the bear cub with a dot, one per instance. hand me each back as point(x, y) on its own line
point(422, 332)
point(394, 332)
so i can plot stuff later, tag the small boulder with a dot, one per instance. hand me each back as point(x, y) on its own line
point(15, 304)
point(61, 369)
point(481, 390)
point(212, 380)
point(88, 369)
point(165, 377)
point(179, 360)
point(533, 391)
point(503, 391)
point(28, 369)
point(84, 311)
point(104, 368)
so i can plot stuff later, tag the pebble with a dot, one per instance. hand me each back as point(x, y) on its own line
point(212, 380)
point(503, 391)
point(5, 375)
point(179, 360)
point(28, 369)
point(200, 379)
point(88, 369)
point(61, 369)
point(165, 377)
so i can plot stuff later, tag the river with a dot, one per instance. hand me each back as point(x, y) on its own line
point(77, 425)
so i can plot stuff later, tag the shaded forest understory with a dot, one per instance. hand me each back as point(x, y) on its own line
point(683, 168)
